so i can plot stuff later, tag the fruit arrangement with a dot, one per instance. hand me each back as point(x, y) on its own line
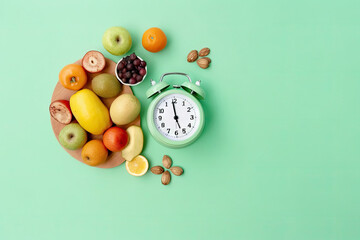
point(96, 118)
point(94, 114)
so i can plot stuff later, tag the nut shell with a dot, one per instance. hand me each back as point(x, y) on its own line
point(207, 59)
point(157, 170)
point(177, 171)
point(165, 178)
point(204, 52)
point(203, 63)
point(167, 161)
point(192, 56)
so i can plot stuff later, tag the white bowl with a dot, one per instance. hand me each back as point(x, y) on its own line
point(128, 84)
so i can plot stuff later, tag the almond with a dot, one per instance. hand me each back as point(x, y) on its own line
point(192, 56)
point(203, 63)
point(177, 171)
point(157, 170)
point(204, 52)
point(165, 178)
point(208, 59)
point(167, 161)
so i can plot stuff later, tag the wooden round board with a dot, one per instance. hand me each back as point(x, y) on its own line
point(114, 158)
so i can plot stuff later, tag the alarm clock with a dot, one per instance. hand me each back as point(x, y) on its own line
point(175, 117)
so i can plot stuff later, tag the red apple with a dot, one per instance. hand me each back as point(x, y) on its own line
point(60, 111)
point(115, 139)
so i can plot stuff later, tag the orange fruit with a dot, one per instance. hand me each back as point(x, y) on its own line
point(73, 76)
point(94, 153)
point(154, 39)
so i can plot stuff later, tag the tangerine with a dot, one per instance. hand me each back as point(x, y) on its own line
point(94, 153)
point(154, 39)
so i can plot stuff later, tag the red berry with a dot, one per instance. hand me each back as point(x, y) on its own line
point(139, 78)
point(133, 56)
point(136, 62)
point(132, 81)
point(121, 66)
point(127, 75)
point(142, 71)
point(129, 66)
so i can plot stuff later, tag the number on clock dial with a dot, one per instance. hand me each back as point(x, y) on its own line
point(187, 117)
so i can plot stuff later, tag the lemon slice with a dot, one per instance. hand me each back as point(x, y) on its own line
point(138, 166)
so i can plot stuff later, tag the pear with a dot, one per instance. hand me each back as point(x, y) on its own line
point(124, 109)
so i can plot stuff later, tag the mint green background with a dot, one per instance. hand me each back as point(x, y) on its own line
point(279, 157)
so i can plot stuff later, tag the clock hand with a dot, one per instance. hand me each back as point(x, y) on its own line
point(174, 109)
point(176, 116)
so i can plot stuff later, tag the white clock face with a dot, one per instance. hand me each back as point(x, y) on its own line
point(176, 117)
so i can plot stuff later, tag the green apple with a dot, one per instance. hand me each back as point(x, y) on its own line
point(72, 136)
point(117, 40)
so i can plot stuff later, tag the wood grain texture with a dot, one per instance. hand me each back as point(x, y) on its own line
point(114, 158)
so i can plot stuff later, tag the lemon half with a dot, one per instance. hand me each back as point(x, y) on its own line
point(138, 166)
